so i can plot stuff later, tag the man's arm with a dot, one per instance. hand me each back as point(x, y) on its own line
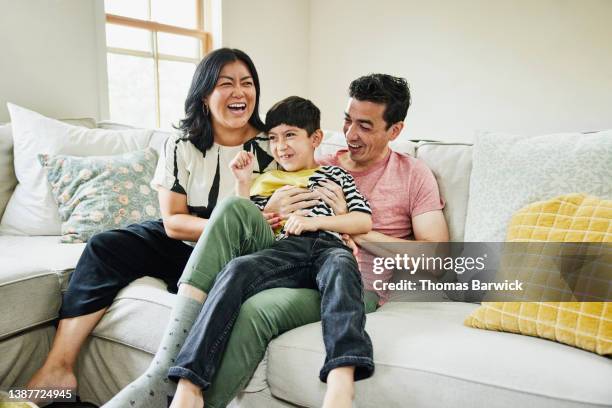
point(427, 227)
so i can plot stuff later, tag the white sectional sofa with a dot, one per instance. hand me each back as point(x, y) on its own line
point(425, 356)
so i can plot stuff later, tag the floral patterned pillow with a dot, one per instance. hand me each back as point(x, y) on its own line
point(98, 193)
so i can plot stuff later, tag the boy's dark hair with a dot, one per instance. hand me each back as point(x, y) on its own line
point(383, 88)
point(294, 111)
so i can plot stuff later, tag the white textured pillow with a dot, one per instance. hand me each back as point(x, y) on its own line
point(31, 209)
point(7, 172)
point(509, 172)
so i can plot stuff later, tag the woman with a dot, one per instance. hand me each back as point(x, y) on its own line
point(221, 119)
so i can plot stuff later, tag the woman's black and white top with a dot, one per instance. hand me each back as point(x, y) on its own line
point(205, 178)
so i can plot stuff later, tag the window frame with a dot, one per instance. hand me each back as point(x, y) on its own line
point(155, 27)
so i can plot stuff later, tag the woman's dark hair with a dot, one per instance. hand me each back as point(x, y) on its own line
point(294, 111)
point(391, 91)
point(197, 126)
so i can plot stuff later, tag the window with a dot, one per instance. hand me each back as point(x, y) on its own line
point(153, 47)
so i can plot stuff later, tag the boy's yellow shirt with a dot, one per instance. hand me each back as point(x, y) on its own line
point(266, 184)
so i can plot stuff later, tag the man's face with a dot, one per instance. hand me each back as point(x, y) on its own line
point(366, 132)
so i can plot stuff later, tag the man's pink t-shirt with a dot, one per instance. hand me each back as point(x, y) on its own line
point(398, 188)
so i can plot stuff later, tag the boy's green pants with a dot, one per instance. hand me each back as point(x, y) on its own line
point(237, 228)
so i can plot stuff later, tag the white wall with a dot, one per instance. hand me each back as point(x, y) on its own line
point(50, 59)
point(519, 66)
point(275, 34)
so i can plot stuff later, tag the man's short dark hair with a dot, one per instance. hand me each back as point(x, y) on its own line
point(381, 88)
point(294, 111)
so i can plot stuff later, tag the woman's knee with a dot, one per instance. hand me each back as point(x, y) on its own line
point(235, 205)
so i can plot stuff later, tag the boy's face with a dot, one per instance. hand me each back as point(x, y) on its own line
point(293, 148)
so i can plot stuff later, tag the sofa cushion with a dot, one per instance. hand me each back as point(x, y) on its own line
point(31, 209)
point(8, 181)
point(34, 270)
point(451, 163)
point(510, 172)
point(425, 357)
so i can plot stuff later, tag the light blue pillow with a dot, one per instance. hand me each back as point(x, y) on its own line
point(98, 193)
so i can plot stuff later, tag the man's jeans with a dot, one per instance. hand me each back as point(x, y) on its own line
point(314, 260)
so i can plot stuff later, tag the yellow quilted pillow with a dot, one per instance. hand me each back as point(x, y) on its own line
point(587, 325)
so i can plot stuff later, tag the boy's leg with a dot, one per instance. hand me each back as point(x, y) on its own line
point(236, 226)
point(343, 313)
point(282, 265)
point(263, 317)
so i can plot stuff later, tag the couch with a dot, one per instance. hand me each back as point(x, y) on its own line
point(425, 356)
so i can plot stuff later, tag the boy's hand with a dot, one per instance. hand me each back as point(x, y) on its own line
point(296, 224)
point(242, 166)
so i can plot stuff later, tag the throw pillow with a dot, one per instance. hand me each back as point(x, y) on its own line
point(509, 172)
point(7, 169)
point(31, 209)
point(98, 193)
point(587, 325)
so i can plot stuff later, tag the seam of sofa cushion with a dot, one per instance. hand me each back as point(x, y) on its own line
point(434, 143)
point(28, 327)
point(115, 340)
point(142, 299)
point(457, 378)
point(46, 272)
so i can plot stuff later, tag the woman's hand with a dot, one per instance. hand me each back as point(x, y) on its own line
point(296, 224)
point(287, 199)
point(332, 195)
point(348, 241)
point(242, 167)
point(274, 220)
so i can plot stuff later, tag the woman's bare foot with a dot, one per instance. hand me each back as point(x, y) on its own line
point(56, 377)
point(188, 395)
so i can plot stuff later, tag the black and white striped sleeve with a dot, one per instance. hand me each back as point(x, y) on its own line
point(355, 201)
point(171, 172)
point(260, 201)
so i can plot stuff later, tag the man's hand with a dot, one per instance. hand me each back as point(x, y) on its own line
point(287, 199)
point(296, 224)
point(242, 167)
point(332, 195)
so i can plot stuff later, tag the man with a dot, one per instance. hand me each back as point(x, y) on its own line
point(402, 191)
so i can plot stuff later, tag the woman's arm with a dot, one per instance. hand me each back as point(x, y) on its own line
point(355, 222)
point(178, 223)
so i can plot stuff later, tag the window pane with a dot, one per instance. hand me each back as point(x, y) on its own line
point(176, 12)
point(178, 45)
point(131, 90)
point(128, 8)
point(174, 82)
point(128, 37)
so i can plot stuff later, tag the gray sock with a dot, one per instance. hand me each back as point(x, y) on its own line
point(152, 388)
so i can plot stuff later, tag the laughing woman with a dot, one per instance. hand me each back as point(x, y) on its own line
point(221, 119)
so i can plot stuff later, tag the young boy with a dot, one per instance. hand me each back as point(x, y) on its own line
point(308, 253)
